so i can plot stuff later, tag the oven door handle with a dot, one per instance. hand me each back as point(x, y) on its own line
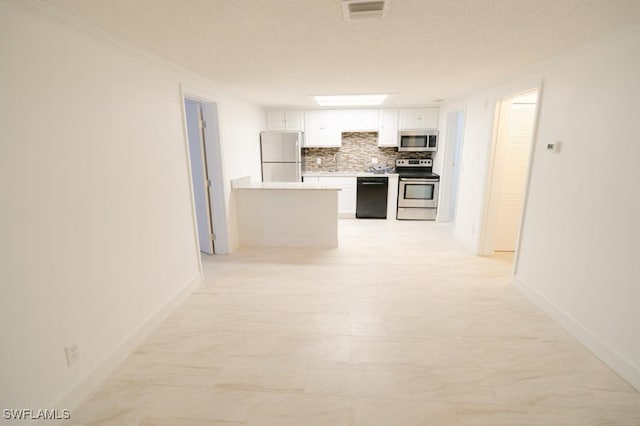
point(419, 180)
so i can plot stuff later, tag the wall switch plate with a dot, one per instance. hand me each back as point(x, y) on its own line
point(318, 160)
point(73, 354)
point(374, 161)
point(554, 146)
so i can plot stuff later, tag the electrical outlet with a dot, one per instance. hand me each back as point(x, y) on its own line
point(374, 161)
point(73, 354)
point(318, 160)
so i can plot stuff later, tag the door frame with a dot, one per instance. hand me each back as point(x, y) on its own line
point(200, 157)
point(213, 159)
point(485, 246)
point(445, 203)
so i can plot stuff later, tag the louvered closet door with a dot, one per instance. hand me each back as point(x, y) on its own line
point(516, 161)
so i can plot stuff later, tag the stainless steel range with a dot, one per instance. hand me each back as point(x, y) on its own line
point(417, 189)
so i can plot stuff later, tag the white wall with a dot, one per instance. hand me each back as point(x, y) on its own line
point(241, 153)
point(444, 158)
point(578, 257)
point(476, 150)
point(579, 248)
point(97, 230)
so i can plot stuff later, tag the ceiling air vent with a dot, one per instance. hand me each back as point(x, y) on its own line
point(363, 9)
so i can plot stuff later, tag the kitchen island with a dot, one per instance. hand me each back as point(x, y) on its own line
point(286, 214)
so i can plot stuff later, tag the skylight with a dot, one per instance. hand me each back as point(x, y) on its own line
point(350, 100)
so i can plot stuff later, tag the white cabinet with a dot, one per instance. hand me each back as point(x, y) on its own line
point(346, 197)
point(322, 129)
point(285, 120)
point(359, 120)
point(418, 118)
point(388, 128)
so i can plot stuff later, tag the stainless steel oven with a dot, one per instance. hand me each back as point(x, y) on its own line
point(418, 192)
point(417, 189)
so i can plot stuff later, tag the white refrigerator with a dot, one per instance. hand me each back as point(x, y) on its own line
point(281, 156)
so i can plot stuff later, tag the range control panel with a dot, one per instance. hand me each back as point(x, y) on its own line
point(414, 162)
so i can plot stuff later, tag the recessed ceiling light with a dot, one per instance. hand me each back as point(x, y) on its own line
point(350, 100)
point(364, 9)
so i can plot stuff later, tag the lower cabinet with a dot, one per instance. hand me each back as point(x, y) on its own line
point(346, 197)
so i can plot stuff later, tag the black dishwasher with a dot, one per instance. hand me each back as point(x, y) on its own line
point(371, 200)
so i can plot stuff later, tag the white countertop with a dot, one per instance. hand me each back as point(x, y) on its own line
point(285, 186)
point(346, 174)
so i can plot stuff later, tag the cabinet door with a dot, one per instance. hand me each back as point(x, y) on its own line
point(276, 120)
point(295, 120)
point(347, 195)
point(407, 119)
point(427, 118)
point(418, 118)
point(314, 125)
point(322, 129)
point(332, 129)
point(388, 130)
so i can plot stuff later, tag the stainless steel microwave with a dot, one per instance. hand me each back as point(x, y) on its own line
point(418, 140)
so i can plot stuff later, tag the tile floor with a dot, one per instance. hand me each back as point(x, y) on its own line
point(398, 326)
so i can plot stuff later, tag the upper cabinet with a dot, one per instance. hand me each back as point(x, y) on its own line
point(359, 120)
point(285, 120)
point(323, 128)
point(388, 128)
point(418, 118)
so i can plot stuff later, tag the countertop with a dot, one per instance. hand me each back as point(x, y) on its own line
point(347, 174)
point(284, 186)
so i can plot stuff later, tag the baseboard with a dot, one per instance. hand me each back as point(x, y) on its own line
point(624, 367)
point(89, 384)
point(282, 242)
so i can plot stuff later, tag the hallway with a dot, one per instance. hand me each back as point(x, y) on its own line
point(398, 326)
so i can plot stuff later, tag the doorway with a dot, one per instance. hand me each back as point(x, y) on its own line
point(455, 138)
point(200, 174)
point(509, 171)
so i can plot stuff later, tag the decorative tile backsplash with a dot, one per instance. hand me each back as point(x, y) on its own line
point(355, 154)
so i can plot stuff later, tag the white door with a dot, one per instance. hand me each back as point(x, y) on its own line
point(199, 175)
point(456, 123)
point(514, 172)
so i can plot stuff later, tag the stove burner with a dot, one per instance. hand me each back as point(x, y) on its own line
point(417, 174)
point(415, 168)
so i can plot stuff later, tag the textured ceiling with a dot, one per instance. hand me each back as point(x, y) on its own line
point(278, 52)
